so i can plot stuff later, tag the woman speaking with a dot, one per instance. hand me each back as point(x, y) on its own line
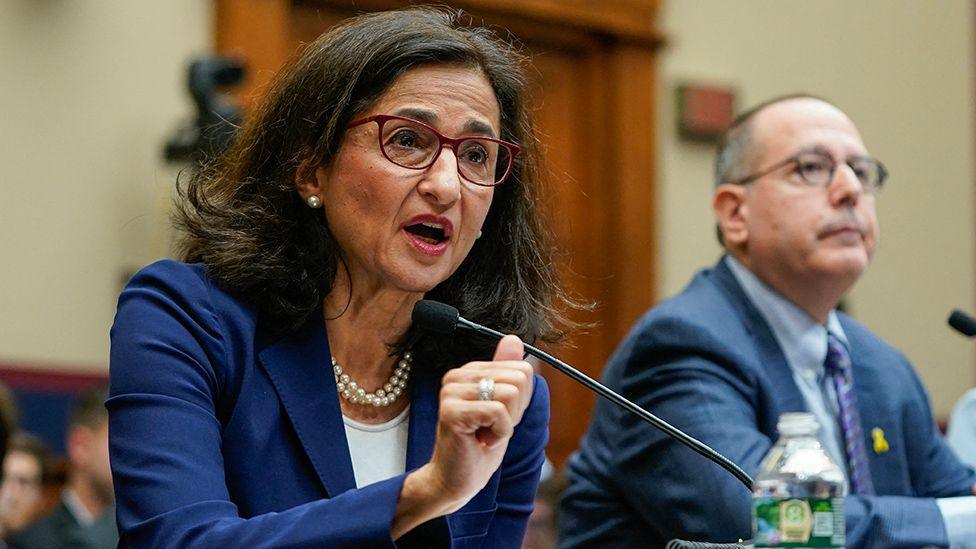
point(270, 391)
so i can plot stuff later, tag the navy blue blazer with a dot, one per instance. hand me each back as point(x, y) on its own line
point(222, 435)
point(707, 362)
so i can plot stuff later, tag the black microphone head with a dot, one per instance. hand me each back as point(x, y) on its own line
point(435, 316)
point(963, 323)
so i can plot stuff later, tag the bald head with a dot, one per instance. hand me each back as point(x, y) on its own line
point(798, 122)
point(741, 145)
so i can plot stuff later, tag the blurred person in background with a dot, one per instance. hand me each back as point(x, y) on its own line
point(85, 516)
point(22, 489)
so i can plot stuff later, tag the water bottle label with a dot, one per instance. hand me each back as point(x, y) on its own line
point(798, 522)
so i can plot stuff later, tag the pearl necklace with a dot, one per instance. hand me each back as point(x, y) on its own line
point(393, 388)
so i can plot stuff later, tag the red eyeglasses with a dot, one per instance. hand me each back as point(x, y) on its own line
point(412, 144)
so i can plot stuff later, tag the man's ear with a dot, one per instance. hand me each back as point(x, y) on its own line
point(307, 179)
point(731, 214)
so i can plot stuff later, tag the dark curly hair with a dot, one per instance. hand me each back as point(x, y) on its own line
point(242, 217)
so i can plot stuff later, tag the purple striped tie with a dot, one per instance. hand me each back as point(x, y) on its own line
point(838, 367)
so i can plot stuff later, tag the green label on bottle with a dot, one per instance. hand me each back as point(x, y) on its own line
point(798, 522)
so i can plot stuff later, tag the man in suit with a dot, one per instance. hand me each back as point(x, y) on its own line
point(759, 335)
point(85, 516)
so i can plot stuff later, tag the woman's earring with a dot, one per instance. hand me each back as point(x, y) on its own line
point(313, 201)
point(479, 235)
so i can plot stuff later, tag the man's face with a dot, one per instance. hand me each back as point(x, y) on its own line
point(88, 452)
point(795, 233)
point(100, 468)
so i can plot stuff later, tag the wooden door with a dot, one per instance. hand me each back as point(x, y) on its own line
point(593, 90)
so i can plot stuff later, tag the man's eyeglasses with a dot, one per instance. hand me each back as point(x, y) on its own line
point(817, 169)
point(412, 144)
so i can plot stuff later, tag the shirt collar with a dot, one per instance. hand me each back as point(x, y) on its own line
point(76, 507)
point(802, 339)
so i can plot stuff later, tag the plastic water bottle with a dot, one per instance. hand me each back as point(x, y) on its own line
point(798, 495)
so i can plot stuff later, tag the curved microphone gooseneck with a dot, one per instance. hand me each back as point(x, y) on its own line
point(442, 318)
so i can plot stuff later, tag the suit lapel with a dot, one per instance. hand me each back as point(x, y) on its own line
point(777, 370)
point(423, 416)
point(299, 367)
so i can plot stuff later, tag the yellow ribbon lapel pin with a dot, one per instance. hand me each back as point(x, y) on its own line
point(880, 444)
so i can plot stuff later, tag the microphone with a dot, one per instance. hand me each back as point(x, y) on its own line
point(442, 318)
point(963, 323)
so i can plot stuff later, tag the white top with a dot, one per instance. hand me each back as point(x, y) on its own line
point(378, 451)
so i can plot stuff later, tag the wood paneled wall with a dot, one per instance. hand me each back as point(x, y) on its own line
point(594, 95)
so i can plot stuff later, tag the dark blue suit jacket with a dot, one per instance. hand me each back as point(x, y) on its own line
point(707, 362)
point(224, 436)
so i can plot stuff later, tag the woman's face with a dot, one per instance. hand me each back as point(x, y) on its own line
point(402, 228)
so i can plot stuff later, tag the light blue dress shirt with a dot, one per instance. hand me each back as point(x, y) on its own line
point(804, 343)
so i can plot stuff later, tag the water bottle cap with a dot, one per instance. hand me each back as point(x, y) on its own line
point(798, 423)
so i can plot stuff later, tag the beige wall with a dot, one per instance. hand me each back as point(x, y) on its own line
point(90, 91)
point(903, 70)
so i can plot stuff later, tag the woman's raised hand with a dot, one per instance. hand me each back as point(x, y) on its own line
point(472, 434)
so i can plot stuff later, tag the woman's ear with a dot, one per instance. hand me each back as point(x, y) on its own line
point(308, 184)
point(732, 214)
